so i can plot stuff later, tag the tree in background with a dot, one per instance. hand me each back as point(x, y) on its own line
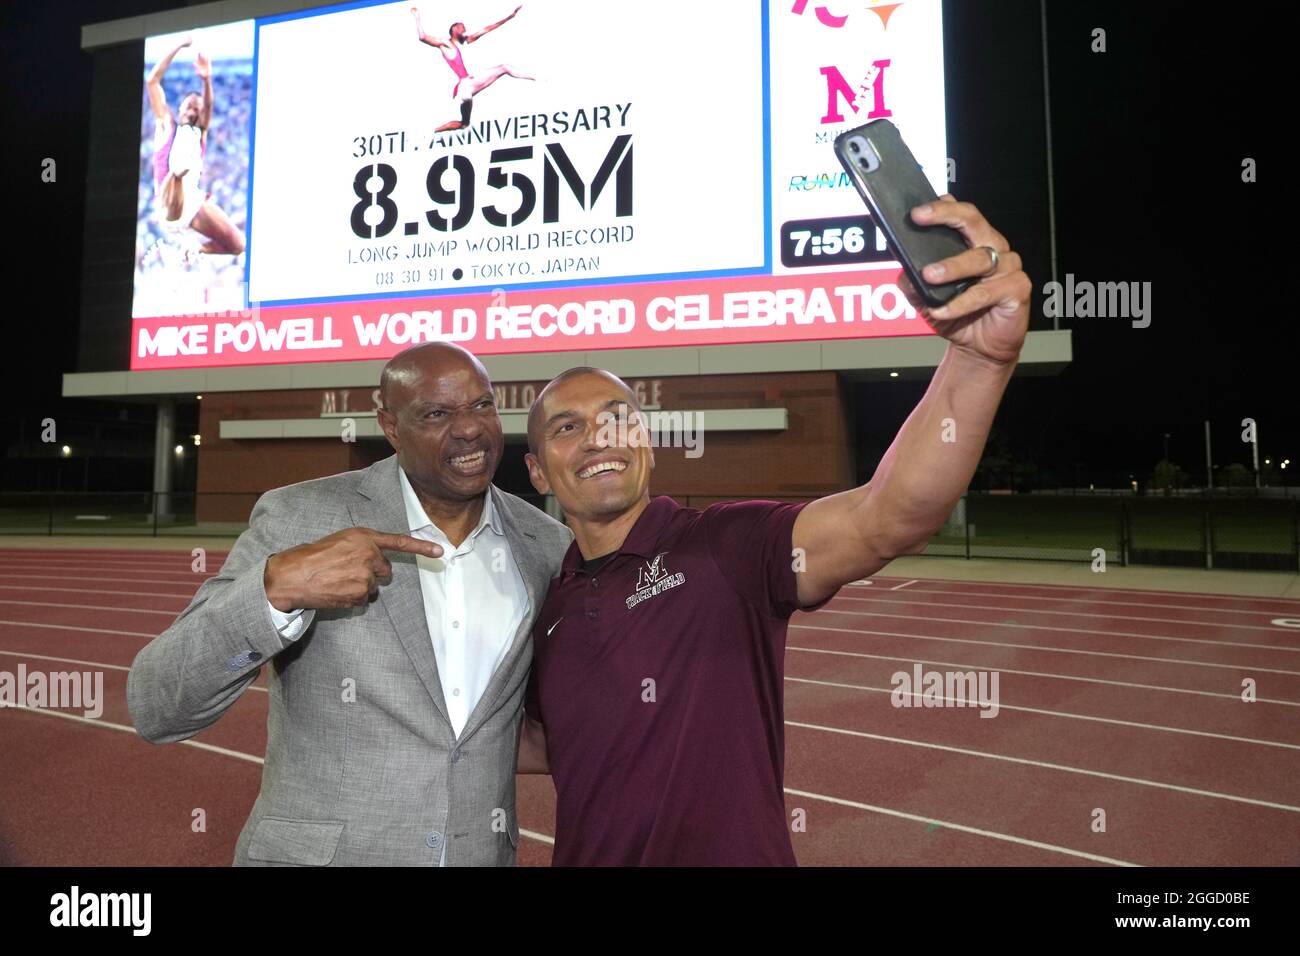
point(1005, 467)
point(1236, 475)
point(1167, 477)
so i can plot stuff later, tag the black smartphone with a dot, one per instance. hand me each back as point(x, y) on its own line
point(892, 184)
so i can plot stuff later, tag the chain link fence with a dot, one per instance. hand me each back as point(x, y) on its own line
point(1255, 533)
point(1247, 533)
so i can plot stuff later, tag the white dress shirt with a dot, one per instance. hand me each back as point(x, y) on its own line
point(474, 602)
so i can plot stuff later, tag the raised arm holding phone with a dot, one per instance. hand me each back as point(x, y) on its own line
point(656, 699)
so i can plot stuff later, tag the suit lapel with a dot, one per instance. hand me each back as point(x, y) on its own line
point(526, 552)
point(382, 509)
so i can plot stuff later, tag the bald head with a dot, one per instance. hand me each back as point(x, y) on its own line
point(429, 361)
point(537, 415)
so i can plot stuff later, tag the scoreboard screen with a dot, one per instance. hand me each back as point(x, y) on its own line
point(344, 182)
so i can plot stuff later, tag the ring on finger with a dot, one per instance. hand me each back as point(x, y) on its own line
point(993, 256)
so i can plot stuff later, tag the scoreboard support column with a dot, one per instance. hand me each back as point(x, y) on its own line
point(164, 437)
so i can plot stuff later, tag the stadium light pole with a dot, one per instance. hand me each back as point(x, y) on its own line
point(1209, 460)
point(1254, 451)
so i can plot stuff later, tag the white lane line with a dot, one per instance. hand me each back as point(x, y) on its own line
point(1049, 650)
point(159, 554)
point(185, 564)
point(550, 841)
point(1087, 595)
point(1063, 630)
point(197, 578)
point(28, 588)
point(91, 630)
point(960, 827)
point(899, 587)
point(1068, 716)
point(1043, 765)
point(92, 574)
point(178, 557)
point(543, 838)
point(91, 607)
point(212, 748)
point(881, 599)
point(64, 660)
point(73, 660)
point(1069, 677)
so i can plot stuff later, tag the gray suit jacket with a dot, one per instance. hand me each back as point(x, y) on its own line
point(362, 766)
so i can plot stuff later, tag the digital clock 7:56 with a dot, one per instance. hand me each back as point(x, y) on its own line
point(826, 242)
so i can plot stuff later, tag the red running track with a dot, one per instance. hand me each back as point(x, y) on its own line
point(1118, 701)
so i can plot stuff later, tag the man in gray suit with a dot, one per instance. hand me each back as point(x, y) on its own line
point(396, 683)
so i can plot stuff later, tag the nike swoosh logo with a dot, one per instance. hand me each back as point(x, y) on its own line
point(553, 627)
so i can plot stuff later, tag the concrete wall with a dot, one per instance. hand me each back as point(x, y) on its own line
point(812, 457)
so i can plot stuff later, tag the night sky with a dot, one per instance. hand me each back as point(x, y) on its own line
point(1148, 138)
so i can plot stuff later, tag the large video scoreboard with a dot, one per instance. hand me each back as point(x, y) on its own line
point(343, 182)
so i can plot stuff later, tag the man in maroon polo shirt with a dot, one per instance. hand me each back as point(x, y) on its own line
point(656, 697)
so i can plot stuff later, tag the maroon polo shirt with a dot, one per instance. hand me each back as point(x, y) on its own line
point(659, 679)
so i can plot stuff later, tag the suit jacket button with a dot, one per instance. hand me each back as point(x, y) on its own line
point(433, 840)
point(455, 755)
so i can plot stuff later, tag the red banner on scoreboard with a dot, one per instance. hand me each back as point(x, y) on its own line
point(864, 304)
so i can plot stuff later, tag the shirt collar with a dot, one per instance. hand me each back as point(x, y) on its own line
point(417, 519)
point(642, 540)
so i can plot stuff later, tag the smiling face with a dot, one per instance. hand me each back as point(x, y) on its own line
point(591, 449)
point(440, 416)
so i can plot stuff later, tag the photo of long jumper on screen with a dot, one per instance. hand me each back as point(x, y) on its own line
point(193, 193)
point(467, 86)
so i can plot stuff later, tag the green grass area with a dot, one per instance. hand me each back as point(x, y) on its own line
point(1254, 525)
point(1168, 524)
